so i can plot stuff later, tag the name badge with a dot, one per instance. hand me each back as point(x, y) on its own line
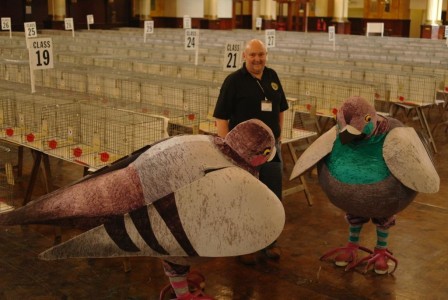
point(266, 105)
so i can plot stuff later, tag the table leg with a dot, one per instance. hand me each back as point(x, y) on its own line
point(302, 186)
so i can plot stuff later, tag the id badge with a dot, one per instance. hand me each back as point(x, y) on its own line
point(266, 105)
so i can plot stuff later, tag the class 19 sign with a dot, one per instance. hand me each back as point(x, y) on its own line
point(41, 53)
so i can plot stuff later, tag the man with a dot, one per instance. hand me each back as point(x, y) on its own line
point(255, 91)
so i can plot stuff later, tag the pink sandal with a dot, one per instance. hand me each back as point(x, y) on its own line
point(346, 256)
point(379, 259)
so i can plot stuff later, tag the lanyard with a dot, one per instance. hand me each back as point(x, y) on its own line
point(258, 82)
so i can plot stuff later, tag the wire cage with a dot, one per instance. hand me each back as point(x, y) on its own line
point(8, 111)
point(29, 129)
point(187, 71)
point(208, 123)
point(330, 94)
point(60, 129)
point(6, 178)
point(72, 81)
point(299, 121)
point(107, 134)
point(130, 90)
point(379, 79)
point(178, 99)
point(16, 72)
point(413, 89)
point(179, 121)
point(290, 85)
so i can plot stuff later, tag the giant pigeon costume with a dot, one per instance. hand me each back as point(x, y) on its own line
point(371, 167)
point(191, 195)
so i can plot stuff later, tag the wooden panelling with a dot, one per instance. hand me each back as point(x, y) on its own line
point(15, 10)
point(399, 28)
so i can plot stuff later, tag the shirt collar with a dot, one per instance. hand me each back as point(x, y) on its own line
point(245, 72)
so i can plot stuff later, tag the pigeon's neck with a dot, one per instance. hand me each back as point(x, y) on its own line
point(233, 156)
point(383, 126)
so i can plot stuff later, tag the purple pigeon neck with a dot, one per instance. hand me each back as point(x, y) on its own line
point(386, 124)
point(234, 156)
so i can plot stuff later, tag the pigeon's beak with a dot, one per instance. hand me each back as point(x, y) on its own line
point(349, 134)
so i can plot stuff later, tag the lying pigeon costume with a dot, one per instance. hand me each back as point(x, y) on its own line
point(169, 200)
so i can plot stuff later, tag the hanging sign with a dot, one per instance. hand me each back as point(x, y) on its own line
point(41, 53)
point(187, 22)
point(191, 39)
point(148, 29)
point(30, 29)
point(6, 25)
point(331, 33)
point(90, 20)
point(68, 23)
point(270, 38)
point(233, 56)
point(258, 23)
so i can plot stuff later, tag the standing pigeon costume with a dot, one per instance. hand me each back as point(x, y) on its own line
point(371, 167)
point(186, 196)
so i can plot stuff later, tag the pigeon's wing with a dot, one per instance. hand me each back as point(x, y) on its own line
point(407, 159)
point(116, 165)
point(314, 153)
point(228, 212)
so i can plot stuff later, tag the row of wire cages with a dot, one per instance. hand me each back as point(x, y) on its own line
point(7, 181)
point(95, 136)
point(330, 94)
point(87, 134)
point(119, 91)
point(185, 101)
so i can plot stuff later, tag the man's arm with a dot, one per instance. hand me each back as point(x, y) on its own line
point(223, 127)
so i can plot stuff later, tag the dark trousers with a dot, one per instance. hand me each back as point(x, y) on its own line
point(271, 173)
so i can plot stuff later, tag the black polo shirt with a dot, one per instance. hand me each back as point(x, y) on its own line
point(241, 95)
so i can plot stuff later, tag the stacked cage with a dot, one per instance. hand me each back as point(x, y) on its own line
point(8, 113)
point(299, 121)
point(6, 179)
point(107, 134)
point(30, 130)
point(330, 94)
point(413, 89)
point(208, 123)
point(189, 98)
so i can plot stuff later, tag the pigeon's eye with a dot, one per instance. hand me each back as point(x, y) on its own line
point(266, 151)
point(367, 118)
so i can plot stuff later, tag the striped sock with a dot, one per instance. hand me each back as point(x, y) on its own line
point(355, 230)
point(180, 286)
point(382, 234)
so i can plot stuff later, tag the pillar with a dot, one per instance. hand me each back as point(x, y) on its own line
point(145, 10)
point(211, 9)
point(432, 28)
point(268, 13)
point(256, 12)
point(57, 11)
point(211, 14)
point(340, 17)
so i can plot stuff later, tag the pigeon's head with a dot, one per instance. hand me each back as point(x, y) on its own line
point(253, 140)
point(356, 120)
